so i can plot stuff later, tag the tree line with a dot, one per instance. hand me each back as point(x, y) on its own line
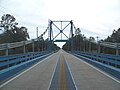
point(82, 43)
point(114, 37)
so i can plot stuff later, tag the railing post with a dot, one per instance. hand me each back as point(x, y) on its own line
point(24, 47)
point(84, 46)
point(7, 49)
point(41, 45)
point(33, 46)
point(98, 47)
point(117, 50)
point(89, 46)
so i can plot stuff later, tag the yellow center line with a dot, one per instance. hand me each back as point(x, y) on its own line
point(61, 82)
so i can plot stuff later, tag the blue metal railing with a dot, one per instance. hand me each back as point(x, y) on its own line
point(113, 60)
point(106, 62)
point(12, 64)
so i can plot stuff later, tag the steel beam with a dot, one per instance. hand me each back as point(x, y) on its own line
point(51, 40)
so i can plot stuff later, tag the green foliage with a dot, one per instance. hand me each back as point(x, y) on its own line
point(81, 43)
point(8, 22)
point(77, 31)
point(11, 33)
point(115, 37)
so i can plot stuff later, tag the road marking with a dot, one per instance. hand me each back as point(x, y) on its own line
point(53, 72)
point(71, 74)
point(62, 79)
point(97, 69)
point(61, 82)
point(23, 72)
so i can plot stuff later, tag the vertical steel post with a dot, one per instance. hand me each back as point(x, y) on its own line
point(117, 50)
point(37, 31)
point(84, 41)
point(7, 49)
point(24, 51)
point(37, 39)
point(99, 49)
point(90, 46)
point(72, 35)
point(33, 46)
point(50, 37)
point(61, 30)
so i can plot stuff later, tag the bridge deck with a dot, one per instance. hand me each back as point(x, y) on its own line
point(40, 76)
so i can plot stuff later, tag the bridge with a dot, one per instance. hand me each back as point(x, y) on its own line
point(59, 70)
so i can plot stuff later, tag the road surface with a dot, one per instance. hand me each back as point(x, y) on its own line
point(61, 71)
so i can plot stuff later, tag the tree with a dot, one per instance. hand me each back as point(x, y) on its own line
point(8, 22)
point(91, 39)
point(115, 37)
point(77, 31)
point(12, 33)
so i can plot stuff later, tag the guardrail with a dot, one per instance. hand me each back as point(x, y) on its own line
point(110, 45)
point(12, 64)
point(108, 63)
point(115, 46)
point(14, 45)
point(7, 46)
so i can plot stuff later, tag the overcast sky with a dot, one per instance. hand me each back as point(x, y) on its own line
point(93, 17)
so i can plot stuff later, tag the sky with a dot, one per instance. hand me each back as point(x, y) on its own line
point(93, 17)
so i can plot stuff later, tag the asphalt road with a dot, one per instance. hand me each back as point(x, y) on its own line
point(87, 77)
point(37, 78)
point(62, 79)
point(84, 76)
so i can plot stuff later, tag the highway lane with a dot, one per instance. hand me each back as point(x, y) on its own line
point(87, 77)
point(37, 78)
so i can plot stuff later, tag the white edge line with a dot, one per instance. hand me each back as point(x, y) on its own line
point(70, 73)
point(53, 71)
point(97, 69)
point(23, 72)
